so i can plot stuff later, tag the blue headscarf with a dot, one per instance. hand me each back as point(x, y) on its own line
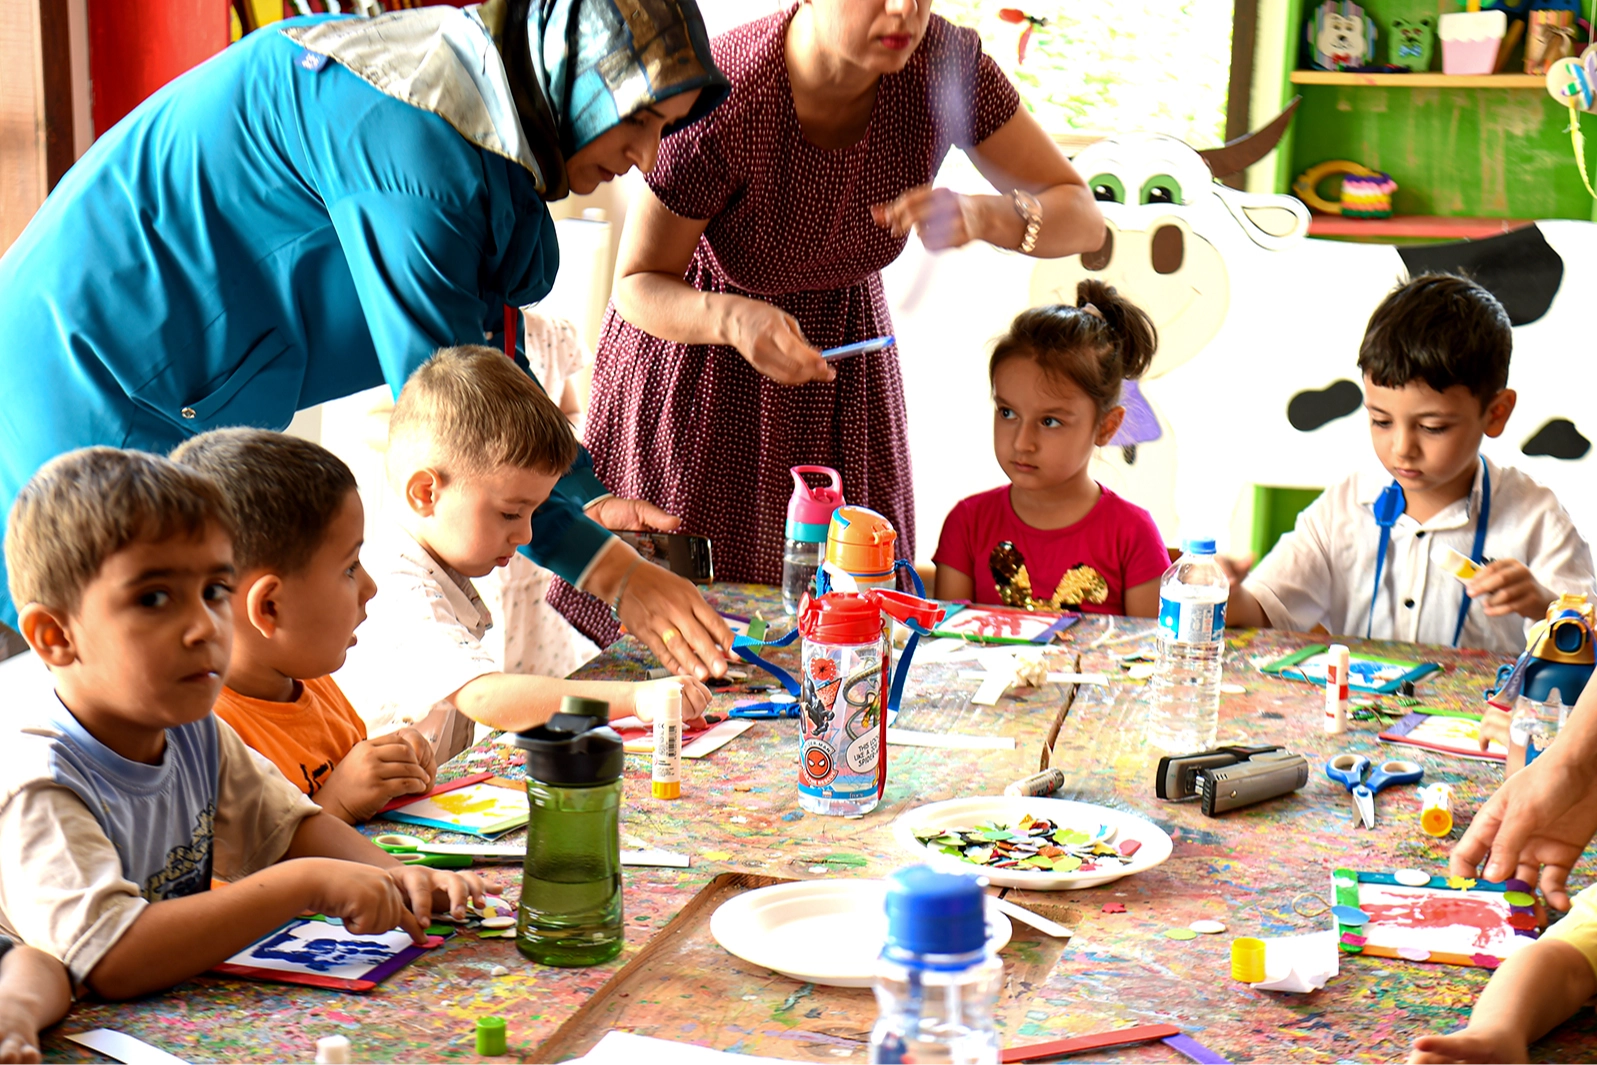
point(598, 62)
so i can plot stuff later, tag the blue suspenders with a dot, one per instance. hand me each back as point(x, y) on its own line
point(1389, 507)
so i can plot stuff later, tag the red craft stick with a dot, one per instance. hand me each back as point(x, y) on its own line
point(1121, 1037)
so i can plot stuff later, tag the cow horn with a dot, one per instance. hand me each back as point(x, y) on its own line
point(1233, 157)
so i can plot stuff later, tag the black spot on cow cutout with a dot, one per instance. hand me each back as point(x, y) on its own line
point(1520, 268)
point(1307, 411)
point(1129, 453)
point(1558, 439)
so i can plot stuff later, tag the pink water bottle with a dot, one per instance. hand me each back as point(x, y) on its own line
point(809, 513)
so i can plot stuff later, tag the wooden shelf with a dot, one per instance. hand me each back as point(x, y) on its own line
point(1412, 227)
point(1420, 81)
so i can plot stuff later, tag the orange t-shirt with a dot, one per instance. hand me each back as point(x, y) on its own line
point(306, 738)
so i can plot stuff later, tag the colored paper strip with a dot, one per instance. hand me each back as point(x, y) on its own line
point(1195, 1050)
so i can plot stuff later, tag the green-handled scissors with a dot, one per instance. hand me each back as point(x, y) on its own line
point(411, 851)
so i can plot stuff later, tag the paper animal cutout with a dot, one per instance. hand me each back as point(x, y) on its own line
point(1410, 42)
point(1341, 36)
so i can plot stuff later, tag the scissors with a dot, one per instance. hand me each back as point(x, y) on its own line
point(767, 711)
point(1349, 770)
point(413, 851)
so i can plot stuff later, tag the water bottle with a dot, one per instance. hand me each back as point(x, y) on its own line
point(1186, 689)
point(937, 982)
point(1532, 728)
point(570, 912)
point(859, 551)
point(809, 513)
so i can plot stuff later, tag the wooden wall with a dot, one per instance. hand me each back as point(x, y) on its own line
point(36, 145)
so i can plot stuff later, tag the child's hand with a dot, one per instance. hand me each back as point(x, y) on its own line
point(695, 697)
point(426, 757)
point(1236, 569)
point(19, 1036)
point(368, 899)
point(437, 890)
point(1494, 726)
point(1507, 587)
point(372, 774)
point(1470, 1045)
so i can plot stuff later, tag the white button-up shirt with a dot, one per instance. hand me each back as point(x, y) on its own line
point(1323, 571)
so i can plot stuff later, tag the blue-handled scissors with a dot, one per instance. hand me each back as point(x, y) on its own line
point(767, 711)
point(1349, 770)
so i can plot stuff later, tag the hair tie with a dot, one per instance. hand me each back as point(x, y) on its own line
point(1089, 308)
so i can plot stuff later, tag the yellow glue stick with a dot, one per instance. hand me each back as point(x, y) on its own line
point(1436, 817)
point(667, 783)
point(1459, 564)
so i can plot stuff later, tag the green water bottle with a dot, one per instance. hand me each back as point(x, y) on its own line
point(570, 911)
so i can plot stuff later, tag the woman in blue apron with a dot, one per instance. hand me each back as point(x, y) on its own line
point(315, 210)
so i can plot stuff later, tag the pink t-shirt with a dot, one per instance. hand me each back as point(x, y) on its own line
point(1117, 541)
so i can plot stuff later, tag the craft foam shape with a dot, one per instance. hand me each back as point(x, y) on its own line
point(1249, 288)
point(1341, 36)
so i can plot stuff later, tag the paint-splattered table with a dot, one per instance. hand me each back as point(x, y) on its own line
point(739, 812)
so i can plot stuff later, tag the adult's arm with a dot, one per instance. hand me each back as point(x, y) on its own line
point(656, 248)
point(1018, 155)
point(1539, 821)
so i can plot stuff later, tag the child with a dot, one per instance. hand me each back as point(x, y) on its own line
point(300, 593)
point(1435, 363)
point(120, 794)
point(1536, 988)
point(1053, 538)
point(34, 994)
point(474, 446)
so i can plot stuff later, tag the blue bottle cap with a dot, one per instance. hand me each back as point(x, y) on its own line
point(1197, 546)
point(935, 913)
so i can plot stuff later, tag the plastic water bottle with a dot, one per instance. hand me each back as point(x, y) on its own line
point(1533, 728)
point(809, 513)
point(937, 981)
point(1186, 689)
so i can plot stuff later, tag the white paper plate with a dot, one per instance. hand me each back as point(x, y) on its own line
point(1008, 810)
point(818, 931)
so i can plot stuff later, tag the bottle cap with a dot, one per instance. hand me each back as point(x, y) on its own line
point(332, 1050)
point(810, 510)
point(1198, 546)
point(576, 747)
point(929, 912)
point(490, 1036)
point(1247, 959)
point(840, 618)
point(860, 541)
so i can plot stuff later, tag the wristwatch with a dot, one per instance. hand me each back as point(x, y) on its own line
point(1030, 210)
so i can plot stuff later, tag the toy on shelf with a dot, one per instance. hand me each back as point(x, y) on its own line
point(1573, 82)
point(1341, 36)
point(1551, 36)
point(1365, 193)
point(1410, 43)
point(1470, 40)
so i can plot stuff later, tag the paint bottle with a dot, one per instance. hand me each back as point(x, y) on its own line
point(570, 912)
point(667, 777)
point(1436, 816)
point(1336, 689)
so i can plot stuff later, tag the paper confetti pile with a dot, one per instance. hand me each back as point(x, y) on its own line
point(1033, 844)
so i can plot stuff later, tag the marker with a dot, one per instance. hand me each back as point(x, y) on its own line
point(667, 782)
point(864, 347)
point(1336, 694)
point(1044, 783)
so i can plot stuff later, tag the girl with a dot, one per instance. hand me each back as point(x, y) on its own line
point(1053, 538)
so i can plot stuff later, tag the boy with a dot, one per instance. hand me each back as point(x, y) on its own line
point(1435, 363)
point(34, 994)
point(474, 446)
point(1536, 989)
point(300, 594)
point(120, 794)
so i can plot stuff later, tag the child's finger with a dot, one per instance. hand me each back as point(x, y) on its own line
point(414, 927)
point(417, 886)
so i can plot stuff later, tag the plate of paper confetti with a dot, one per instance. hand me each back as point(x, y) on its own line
point(1036, 843)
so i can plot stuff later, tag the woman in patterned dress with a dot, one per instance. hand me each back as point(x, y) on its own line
point(761, 240)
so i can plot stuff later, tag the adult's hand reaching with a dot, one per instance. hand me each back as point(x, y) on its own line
point(631, 515)
point(772, 342)
point(664, 611)
point(1535, 827)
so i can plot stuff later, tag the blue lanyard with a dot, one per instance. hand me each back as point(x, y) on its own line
point(1390, 506)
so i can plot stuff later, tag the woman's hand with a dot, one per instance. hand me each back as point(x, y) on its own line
point(941, 218)
point(771, 340)
point(631, 515)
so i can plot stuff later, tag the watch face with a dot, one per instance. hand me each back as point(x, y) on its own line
point(1027, 202)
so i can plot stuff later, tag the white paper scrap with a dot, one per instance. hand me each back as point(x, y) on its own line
point(992, 688)
point(717, 737)
point(124, 1047)
point(1299, 963)
point(903, 737)
point(624, 1048)
point(655, 859)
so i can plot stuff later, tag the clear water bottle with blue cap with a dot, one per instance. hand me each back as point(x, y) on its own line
point(937, 980)
point(1185, 708)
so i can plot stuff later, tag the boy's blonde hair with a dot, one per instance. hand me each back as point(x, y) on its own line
point(479, 411)
point(85, 506)
point(284, 493)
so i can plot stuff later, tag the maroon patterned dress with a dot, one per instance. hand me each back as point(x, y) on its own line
point(697, 430)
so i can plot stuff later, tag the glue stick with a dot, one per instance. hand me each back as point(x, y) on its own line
point(668, 745)
point(1436, 817)
point(1044, 783)
point(1336, 668)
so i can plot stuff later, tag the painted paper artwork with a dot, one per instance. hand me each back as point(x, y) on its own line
point(1450, 920)
point(486, 809)
point(997, 625)
point(1449, 732)
point(323, 953)
point(1365, 673)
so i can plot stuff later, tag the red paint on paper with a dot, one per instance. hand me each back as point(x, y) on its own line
point(1440, 911)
